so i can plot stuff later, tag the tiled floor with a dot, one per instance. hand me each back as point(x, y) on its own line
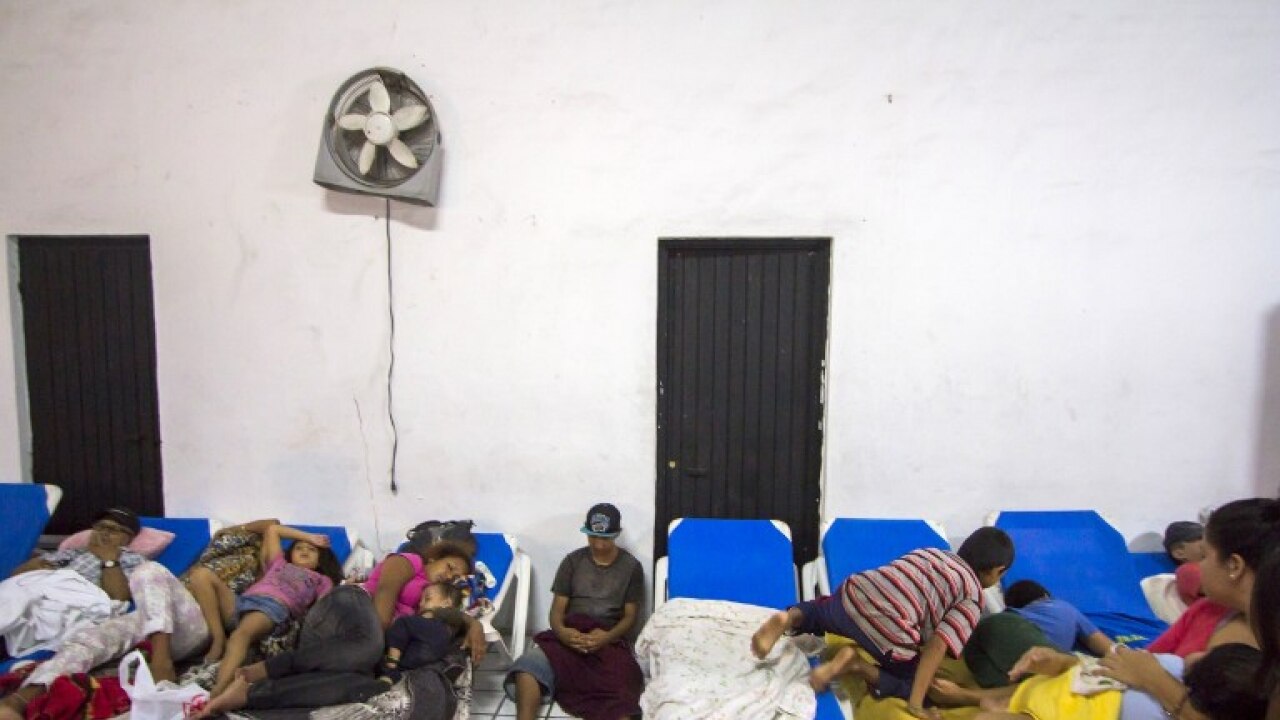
point(488, 699)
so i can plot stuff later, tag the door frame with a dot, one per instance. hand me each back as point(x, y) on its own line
point(821, 305)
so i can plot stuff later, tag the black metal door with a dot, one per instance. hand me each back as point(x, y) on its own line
point(89, 328)
point(742, 332)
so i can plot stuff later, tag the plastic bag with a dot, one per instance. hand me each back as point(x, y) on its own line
point(150, 701)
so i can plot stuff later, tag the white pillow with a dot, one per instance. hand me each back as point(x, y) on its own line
point(1161, 592)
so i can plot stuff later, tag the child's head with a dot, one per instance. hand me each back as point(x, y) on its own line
point(1222, 684)
point(440, 595)
point(1184, 541)
point(1023, 593)
point(320, 559)
point(989, 552)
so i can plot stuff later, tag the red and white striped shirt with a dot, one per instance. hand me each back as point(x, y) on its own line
point(923, 593)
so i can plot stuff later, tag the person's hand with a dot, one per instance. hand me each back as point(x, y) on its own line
point(320, 540)
point(475, 642)
point(594, 640)
point(572, 639)
point(1136, 668)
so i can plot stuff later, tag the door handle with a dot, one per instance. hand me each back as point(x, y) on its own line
point(696, 472)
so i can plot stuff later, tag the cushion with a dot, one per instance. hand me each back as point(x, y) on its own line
point(148, 543)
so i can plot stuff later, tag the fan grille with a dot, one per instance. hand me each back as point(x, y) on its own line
point(345, 145)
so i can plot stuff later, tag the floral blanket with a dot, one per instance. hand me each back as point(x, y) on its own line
point(697, 654)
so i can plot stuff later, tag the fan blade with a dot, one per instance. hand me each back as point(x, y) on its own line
point(402, 153)
point(351, 122)
point(409, 116)
point(367, 154)
point(379, 100)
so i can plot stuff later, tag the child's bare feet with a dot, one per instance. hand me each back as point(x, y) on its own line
point(845, 660)
point(253, 673)
point(767, 636)
point(233, 698)
point(946, 692)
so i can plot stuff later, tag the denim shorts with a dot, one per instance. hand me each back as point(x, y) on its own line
point(268, 606)
point(534, 662)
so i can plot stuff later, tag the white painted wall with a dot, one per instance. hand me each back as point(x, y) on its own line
point(1056, 251)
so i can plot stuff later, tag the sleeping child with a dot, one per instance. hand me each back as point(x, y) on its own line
point(417, 640)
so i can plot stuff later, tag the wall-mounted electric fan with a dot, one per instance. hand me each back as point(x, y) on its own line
point(381, 138)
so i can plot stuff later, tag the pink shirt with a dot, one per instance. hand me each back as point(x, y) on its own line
point(293, 586)
point(411, 593)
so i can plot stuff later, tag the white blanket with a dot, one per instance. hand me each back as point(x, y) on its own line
point(697, 654)
point(38, 609)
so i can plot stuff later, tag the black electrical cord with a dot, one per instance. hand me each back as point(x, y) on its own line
point(391, 364)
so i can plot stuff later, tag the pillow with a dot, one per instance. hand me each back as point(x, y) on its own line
point(1161, 592)
point(148, 543)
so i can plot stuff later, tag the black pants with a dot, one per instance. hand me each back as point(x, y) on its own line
point(338, 649)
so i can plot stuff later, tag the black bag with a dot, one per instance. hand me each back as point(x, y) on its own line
point(433, 531)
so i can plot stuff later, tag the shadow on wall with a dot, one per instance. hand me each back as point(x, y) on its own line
point(1267, 479)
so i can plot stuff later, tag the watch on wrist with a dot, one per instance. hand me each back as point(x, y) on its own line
point(109, 564)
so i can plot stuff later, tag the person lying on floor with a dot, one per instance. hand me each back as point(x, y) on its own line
point(1220, 686)
point(1065, 626)
point(290, 584)
point(165, 614)
point(342, 637)
point(414, 641)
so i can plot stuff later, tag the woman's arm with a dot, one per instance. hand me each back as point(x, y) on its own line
point(1141, 671)
point(396, 573)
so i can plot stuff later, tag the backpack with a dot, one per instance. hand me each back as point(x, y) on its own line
point(429, 533)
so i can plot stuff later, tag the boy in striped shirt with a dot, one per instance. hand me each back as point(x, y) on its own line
point(907, 615)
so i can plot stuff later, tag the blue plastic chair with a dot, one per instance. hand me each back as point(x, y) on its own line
point(24, 511)
point(852, 545)
point(1079, 557)
point(501, 553)
point(190, 537)
point(746, 561)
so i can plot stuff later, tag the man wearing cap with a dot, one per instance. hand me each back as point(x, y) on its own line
point(165, 613)
point(585, 661)
point(105, 562)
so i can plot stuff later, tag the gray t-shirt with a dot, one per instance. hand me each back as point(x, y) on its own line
point(599, 592)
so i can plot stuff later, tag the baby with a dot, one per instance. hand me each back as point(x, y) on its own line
point(417, 640)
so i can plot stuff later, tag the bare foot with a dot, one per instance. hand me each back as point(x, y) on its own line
point(845, 659)
point(233, 698)
point(772, 629)
point(253, 673)
point(215, 652)
point(946, 692)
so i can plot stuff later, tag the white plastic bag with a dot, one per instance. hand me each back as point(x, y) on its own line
point(150, 701)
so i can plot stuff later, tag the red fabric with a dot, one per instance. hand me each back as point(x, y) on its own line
point(109, 699)
point(64, 700)
point(603, 685)
point(1190, 634)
